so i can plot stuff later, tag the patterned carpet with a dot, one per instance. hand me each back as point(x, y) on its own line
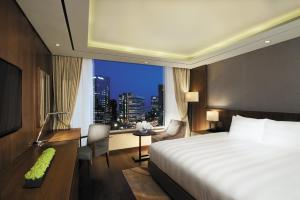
point(142, 184)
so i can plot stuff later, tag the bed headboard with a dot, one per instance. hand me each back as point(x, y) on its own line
point(225, 116)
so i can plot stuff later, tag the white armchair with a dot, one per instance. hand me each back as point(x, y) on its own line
point(175, 129)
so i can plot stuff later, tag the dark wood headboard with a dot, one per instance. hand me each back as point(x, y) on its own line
point(225, 116)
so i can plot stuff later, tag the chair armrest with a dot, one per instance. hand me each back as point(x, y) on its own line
point(93, 149)
point(82, 137)
point(159, 130)
point(166, 136)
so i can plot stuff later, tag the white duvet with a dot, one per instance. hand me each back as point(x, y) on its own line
point(215, 166)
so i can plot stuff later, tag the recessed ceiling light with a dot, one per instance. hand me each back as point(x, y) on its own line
point(57, 44)
point(267, 41)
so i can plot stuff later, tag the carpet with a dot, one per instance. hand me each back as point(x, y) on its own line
point(142, 184)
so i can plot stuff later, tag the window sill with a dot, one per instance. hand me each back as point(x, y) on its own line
point(114, 132)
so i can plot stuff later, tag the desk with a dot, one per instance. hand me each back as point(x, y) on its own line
point(66, 135)
point(60, 181)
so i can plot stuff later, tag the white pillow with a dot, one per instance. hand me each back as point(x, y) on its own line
point(247, 128)
point(282, 133)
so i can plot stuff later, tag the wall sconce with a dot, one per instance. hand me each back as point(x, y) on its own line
point(192, 96)
point(213, 117)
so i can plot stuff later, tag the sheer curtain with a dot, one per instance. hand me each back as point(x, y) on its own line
point(66, 76)
point(83, 111)
point(181, 86)
point(171, 109)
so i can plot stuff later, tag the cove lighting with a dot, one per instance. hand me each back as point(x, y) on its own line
point(219, 45)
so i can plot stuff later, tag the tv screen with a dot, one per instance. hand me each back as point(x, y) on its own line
point(10, 98)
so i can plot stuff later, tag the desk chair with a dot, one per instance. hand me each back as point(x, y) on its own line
point(97, 143)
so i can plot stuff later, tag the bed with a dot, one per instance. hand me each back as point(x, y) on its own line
point(216, 166)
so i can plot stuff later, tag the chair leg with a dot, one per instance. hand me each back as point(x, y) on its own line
point(107, 158)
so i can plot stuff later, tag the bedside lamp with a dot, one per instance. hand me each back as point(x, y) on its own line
point(212, 117)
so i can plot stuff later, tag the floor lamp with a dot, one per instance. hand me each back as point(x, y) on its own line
point(191, 97)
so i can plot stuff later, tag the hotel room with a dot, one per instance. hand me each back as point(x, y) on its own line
point(128, 99)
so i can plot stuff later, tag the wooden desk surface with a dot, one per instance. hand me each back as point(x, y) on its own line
point(58, 181)
point(73, 134)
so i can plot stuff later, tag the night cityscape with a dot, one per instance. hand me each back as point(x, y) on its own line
point(124, 106)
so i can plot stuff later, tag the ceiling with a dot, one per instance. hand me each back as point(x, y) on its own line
point(177, 33)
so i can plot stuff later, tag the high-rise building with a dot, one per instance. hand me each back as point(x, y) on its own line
point(155, 107)
point(153, 115)
point(102, 112)
point(161, 96)
point(113, 110)
point(131, 109)
point(123, 107)
point(161, 104)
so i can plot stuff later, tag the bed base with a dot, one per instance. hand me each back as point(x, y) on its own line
point(167, 184)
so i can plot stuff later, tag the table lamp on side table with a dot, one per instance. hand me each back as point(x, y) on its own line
point(212, 117)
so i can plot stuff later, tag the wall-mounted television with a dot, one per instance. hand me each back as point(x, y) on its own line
point(10, 98)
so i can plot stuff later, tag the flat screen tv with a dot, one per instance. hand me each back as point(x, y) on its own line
point(10, 98)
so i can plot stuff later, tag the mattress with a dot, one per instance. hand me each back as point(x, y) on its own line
point(215, 166)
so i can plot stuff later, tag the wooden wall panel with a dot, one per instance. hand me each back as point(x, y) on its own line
point(21, 45)
point(225, 116)
point(266, 79)
point(198, 82)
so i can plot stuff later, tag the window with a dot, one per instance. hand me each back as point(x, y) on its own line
point(126, 93)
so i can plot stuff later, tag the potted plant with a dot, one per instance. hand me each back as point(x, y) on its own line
point(35, 176)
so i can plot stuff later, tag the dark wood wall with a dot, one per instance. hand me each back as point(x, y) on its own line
point(225, 116)
point(266, 79)
point(20, 45)
point(198, 83)
point(229, 85)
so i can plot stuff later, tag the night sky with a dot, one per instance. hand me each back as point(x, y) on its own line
point(142, 80)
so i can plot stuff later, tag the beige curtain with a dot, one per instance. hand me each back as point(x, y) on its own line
point(45, 95)
point(181, 86)
point(66, 76)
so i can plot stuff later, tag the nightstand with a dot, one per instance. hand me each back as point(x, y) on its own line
point(200, 132)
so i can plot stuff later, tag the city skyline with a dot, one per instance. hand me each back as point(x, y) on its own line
point(129, 77)
point(124, 106)
point(128, 109)
point(102, 96)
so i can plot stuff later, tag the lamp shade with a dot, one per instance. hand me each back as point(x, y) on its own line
point(192, 96)
point(212, 116)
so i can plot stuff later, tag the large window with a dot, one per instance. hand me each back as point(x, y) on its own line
point(126, 93)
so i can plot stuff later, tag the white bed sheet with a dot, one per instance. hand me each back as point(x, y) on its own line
point(215, 166)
